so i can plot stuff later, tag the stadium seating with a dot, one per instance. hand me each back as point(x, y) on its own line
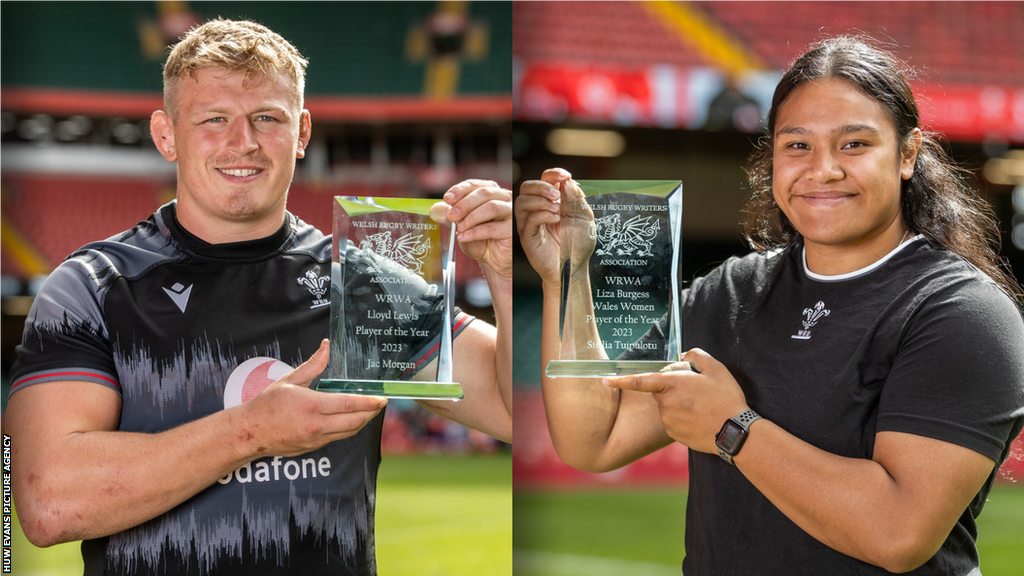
point(620, 32)
point(58, 214)
point(936, 36)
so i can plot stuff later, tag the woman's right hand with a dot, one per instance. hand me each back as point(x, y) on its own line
point(548, 212)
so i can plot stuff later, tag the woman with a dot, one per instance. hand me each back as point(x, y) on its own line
point(861, 375)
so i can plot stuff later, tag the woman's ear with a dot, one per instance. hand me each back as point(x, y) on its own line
point(908, 157)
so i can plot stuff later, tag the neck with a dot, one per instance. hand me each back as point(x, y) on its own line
point(835, 259)
point(223, 231)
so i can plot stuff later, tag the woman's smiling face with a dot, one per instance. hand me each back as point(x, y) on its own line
point(837, 164)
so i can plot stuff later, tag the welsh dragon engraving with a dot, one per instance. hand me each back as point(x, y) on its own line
point(408, 250)
point(630, 238)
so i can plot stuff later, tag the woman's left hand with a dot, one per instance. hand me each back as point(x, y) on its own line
point(693, 406)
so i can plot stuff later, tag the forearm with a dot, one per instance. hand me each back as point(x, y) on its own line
point(889, 518)
point(578, 336)
point(583, 415)
point(501, 298)
point(92, 484)
point(483, 366)
point(76, 476)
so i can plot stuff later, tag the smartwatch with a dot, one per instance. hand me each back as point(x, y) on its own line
point(734, 433)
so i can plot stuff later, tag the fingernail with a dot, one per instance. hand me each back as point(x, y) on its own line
point(454, 214)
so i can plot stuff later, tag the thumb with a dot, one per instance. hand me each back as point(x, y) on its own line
point(311, 368)
point(439, 212)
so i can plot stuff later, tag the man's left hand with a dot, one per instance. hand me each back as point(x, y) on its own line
point(482, 213)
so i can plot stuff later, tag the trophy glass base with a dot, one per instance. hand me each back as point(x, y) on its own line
point(394, 389)
point(602, 368)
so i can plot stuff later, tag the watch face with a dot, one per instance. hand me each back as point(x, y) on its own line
point(729, 436)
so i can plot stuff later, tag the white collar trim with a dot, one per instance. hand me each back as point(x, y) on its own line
point(855, 273)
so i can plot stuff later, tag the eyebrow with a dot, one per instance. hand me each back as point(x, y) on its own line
point(841, 131)
point(260, 110)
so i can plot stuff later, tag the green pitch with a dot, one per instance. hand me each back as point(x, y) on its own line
point(641, 532)
point(603, 532)
point(445, 515)
point(435, 516)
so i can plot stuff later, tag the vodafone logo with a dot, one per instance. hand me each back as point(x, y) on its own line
point(252, 377)
point(249, 379)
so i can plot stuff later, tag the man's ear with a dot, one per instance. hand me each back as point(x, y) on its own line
point(162, 130)
point(305, 131)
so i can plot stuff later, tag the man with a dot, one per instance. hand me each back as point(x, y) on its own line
point(123, 433)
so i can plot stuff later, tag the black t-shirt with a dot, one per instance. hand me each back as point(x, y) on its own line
point(182, 329)
point(920, 342)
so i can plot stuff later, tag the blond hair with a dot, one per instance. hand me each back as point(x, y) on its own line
point(236, 46)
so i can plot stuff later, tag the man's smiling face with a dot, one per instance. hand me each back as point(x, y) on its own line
point(235, 139)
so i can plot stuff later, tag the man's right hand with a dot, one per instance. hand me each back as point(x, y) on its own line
point(549, 212)
point(289, 419)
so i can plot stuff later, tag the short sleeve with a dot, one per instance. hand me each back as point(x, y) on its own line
point(958, 375)
point(65, 335)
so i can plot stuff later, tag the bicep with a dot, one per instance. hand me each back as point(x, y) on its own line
point(40, 416)
point(636, 432)
point(936, 481)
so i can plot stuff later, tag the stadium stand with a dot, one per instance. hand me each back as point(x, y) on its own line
point(951, 38)
point(662, 62)
point(58, 214)
point(612, 32)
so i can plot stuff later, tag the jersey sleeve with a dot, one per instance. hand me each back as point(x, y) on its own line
point(65, 335)
point(958, 375)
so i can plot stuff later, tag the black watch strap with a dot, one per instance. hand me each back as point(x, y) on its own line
point(746, 418)
point(743, 420)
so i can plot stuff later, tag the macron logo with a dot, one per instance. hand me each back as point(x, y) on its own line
point(179, 294)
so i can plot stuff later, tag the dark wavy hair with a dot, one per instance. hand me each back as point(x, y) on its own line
point(936, 201)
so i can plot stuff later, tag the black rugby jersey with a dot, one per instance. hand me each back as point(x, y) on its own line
point(920, 342)
point(181, 329)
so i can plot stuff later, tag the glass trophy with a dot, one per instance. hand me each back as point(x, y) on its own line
point(392, 285)
point(620, 251)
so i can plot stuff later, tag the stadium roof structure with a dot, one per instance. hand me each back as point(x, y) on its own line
point(369, 62)
point(659, 63)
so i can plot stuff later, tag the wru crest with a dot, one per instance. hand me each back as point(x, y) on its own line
point(317, 285)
